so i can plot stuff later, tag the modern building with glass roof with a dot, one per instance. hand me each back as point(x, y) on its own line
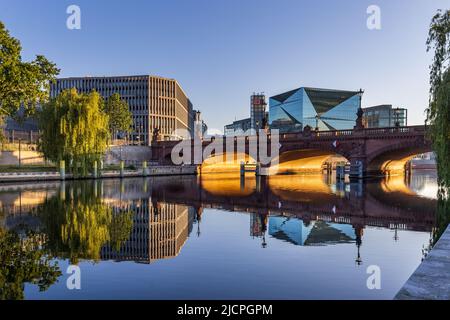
point(318, 232)
point(324, 109)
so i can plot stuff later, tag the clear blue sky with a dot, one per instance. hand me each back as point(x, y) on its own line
point(223, 50)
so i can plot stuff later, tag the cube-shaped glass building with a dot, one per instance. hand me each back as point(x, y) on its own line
point(324, 109)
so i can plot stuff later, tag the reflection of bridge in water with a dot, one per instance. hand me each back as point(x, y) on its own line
point(302, 210)
point(358, 204)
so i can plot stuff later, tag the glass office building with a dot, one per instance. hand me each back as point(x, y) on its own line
point(384, 116)
point(323, 109)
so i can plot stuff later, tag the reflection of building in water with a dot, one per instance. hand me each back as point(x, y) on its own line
point(425, 184)
point(258, 227)
point(159, 231)
point(318, 232)
point(18, 208)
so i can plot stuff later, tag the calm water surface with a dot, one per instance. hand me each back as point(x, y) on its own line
point(214, 237)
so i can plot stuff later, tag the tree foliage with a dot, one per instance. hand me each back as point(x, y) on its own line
point(120, 118)
point(120, 228)
point(78, 224)
point(24, 261)
point(74, 128)
point(2, 123)
point(22, 83)
point(438, 112)
point(442, 216)
point(440, 129)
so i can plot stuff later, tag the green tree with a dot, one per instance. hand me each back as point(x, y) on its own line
point(442, 217)
point(22, 83)
point(438, 111)
point(74, 128)
point(24, 261)
point(2, 123)
point(120, 119)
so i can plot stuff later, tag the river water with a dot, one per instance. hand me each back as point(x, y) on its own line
point(214, 237)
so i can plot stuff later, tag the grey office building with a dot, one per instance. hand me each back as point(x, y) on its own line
point(155, 102)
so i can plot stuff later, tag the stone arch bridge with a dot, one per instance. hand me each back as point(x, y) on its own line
point(375, 151)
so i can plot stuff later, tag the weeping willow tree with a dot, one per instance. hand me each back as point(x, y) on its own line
point(78, 224)
point(438, 112)
point(74, 129)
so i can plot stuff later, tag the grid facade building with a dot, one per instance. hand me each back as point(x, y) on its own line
point(155, 102)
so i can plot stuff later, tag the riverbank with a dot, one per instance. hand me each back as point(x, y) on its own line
point(6, 177)
point(431, 279)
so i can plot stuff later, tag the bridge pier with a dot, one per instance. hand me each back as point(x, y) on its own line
point(356, 188)
point(262, 170)
point(340, 171)
point(329, 168)
point(356, 169)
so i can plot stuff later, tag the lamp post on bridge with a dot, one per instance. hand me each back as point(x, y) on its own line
point(359, 125)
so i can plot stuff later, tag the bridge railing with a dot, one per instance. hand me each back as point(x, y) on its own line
point(349, 132)
point(334, 133)
point(393, 130)
point(420, 129)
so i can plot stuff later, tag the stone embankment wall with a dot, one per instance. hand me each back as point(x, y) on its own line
point(129, 154)
point(11, 158)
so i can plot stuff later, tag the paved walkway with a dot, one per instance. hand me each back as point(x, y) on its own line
point(431, 280)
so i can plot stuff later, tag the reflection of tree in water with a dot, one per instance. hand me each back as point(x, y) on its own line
point(442, 220)
point(443, 214)
point(24, 261)
point(120, 228)
point(78, 224)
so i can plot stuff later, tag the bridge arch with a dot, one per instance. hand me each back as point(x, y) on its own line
point(225, 162)
point(394, 157)
point(304, 161)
